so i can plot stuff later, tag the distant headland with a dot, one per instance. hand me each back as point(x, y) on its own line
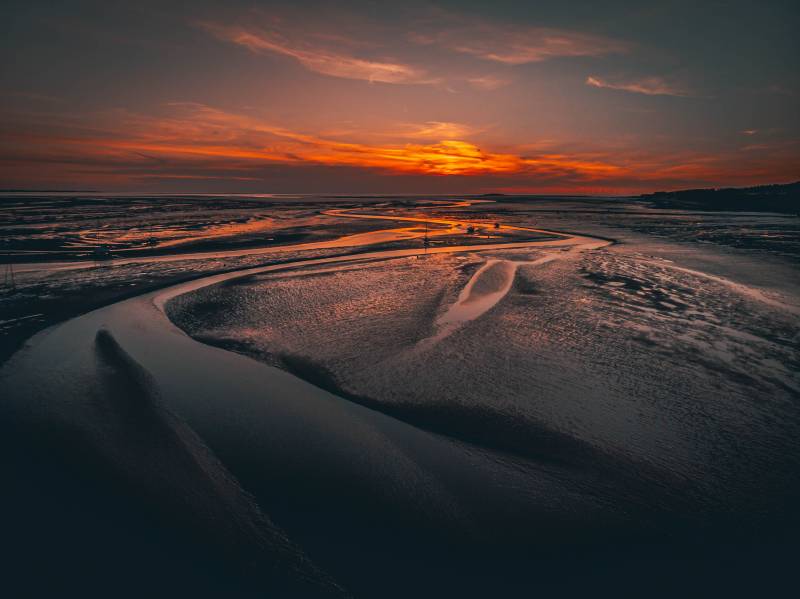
point(783, 198)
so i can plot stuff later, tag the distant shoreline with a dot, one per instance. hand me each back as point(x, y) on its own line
point(780, 198)
point(49, 191)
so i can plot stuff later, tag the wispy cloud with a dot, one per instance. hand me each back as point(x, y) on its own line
point(356, 53)
point(650, 86)
point(196, 141)
point(318, 58)
point(435, 130)
point(512, 44)
point(202, 136)
point(487, 82)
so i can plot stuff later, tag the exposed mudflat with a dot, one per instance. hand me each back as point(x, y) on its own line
point(624, 353)
point(557, 413)
point(661, 397)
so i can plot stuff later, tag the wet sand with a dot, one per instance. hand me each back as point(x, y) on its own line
point(362, 492)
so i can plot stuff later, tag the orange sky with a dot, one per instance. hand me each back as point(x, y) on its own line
point(282, 98)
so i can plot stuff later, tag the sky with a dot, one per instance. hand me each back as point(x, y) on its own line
point(572, 97)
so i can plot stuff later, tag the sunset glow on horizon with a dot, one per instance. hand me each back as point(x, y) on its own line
point(413, 98)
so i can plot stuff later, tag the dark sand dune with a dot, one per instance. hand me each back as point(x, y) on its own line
point(480, 425)
point(125, 467)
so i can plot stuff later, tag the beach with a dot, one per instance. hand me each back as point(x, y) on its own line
point(508, 409)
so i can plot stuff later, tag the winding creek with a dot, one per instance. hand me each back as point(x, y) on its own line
point(317, 449)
